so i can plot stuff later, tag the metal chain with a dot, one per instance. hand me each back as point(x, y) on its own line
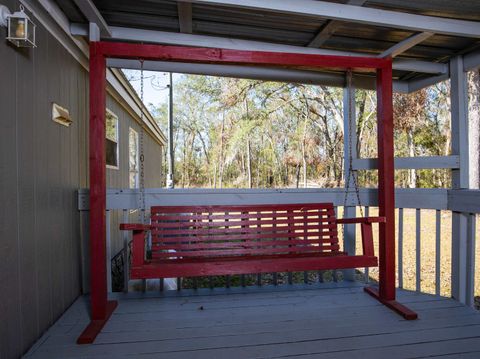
point(142, 156)
point(351, 173)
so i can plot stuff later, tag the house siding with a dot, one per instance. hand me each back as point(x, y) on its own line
point(42, 165)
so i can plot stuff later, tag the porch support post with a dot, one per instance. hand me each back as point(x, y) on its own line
point(462, 233)
point(386, 195)
point(349, 232)
point(386, 183)
point(101, 308)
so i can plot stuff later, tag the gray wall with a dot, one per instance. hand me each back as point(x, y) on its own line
point(42, 164)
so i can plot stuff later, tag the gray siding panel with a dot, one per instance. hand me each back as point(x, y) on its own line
point(26, 199)
point(10, 307)
point(42, 165)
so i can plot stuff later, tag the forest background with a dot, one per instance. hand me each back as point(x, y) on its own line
point(236, 133)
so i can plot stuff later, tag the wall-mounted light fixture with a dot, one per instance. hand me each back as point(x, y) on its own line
point(20, 29)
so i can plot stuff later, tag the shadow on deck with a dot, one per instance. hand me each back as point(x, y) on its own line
point(335, 320)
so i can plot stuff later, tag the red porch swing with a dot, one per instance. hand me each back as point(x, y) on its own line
point(189, 231)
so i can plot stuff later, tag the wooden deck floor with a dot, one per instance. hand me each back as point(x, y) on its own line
point(335, 321)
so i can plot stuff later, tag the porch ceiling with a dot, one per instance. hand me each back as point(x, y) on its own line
point(245, 21)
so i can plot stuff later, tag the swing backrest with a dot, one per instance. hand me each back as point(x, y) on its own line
point(194, 232)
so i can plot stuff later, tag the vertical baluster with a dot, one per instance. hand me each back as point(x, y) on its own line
point(126, 253)
point(418, 247)
point(242, 276)
point(366, 271)
point(334, 272)
point(290, 215)
point(438, 236)
point(275, 218)
point(108, 250)
point(227, 277)
point(320, 273)
point(470, 274)
point(305, 238)
point(210, 278)
point(400, 247)
point(181, 224)
point(259, 275)
point(196, 224)
point(320, 276)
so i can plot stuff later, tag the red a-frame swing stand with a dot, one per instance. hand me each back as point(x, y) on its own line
point(101, 308)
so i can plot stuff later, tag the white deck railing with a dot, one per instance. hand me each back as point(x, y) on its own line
point(465, 204)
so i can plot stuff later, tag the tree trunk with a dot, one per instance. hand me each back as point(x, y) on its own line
point(215, 175)
point(221, 164)
point(304, 155)
point(249, 164)
point(184, 159)
point(297, 175)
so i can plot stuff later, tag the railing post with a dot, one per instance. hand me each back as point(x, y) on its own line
point(349, 139)
point(460, 178)
point(400, 248)
point(126, 256)
point(438, 249)
point(418, 250)
point(108, 257)
point(470, 280)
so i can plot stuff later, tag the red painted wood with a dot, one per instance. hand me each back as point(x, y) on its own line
point(281, 208)
point(314, 229)
point(237, 258)
point(386, 184)
point(101, 50)
point(95, 326)
point(245, 265)
point(404, 311)
point(234, 244)
point(238, 246)
point(134, 226)
point(194, 223)
point(235, 57)
point(242, 238)
point(367, 239)
point(97, 162)
point(232, 217)
point(138, 247)
point(244, 252)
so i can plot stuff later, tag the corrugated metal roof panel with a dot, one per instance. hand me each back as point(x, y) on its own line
point(299, 30)
point(454, 9)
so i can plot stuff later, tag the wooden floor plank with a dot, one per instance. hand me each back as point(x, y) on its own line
point(344, 322)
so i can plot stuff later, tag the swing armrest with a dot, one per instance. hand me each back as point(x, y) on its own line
point(135, 227)
point(138, 242)
point(361, 220)
point(366, 229)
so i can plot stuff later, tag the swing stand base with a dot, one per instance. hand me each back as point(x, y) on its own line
point(93, 329)
point(405, 312)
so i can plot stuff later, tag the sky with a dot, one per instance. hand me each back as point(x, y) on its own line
point(154, 83)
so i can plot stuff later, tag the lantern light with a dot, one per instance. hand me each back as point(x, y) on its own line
point(20, 29)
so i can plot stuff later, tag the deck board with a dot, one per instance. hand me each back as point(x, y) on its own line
point(318, 321)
